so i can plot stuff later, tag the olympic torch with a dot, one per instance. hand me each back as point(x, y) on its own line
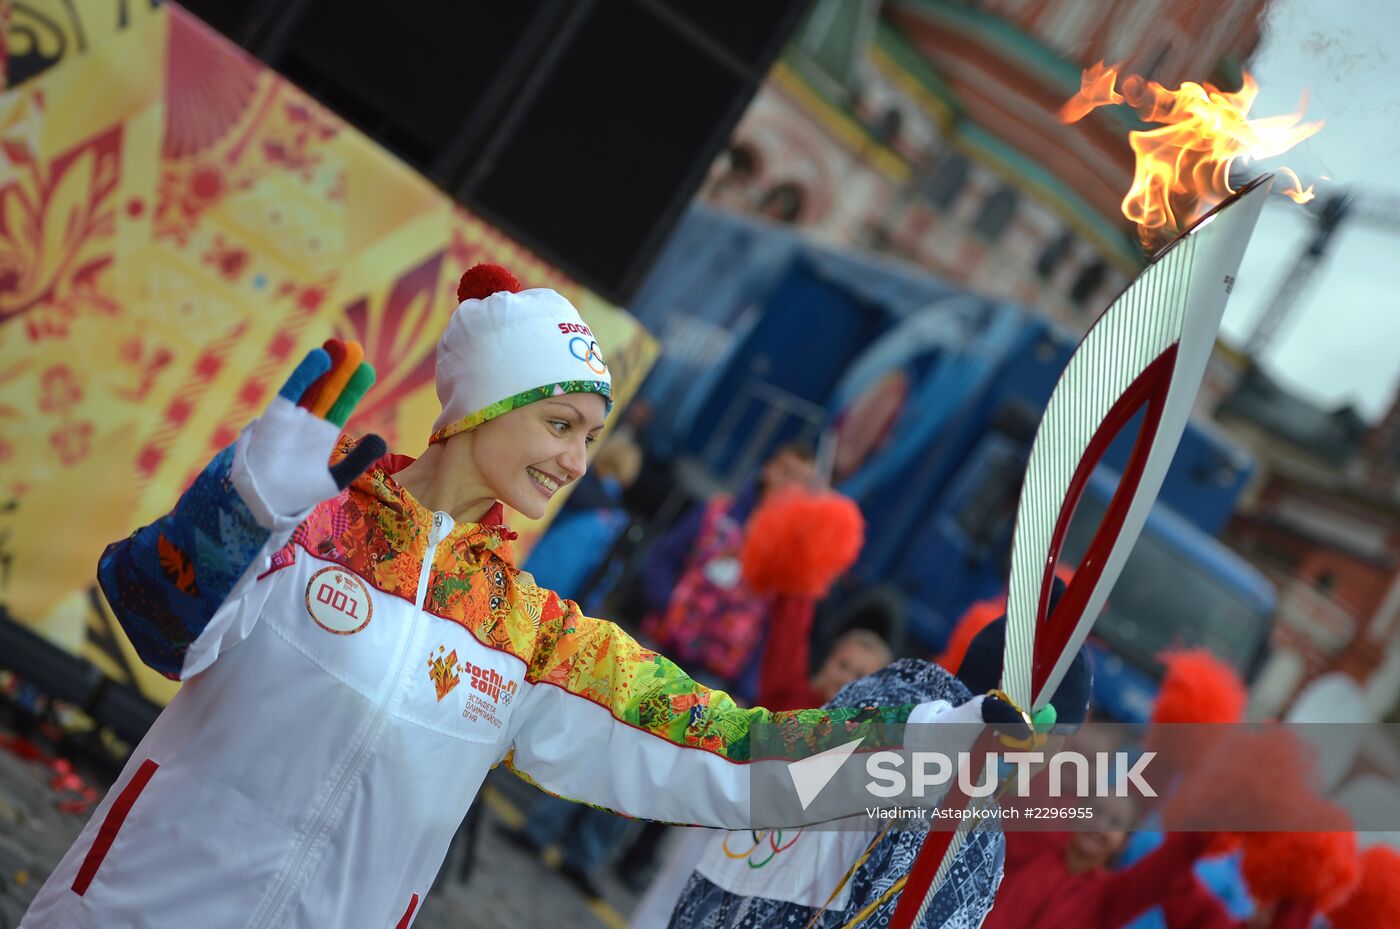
point(1147, 352)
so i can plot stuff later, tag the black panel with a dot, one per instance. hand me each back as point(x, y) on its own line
point(599, 157)
point(413, 72)
point(581, 127)
point(51, 669)
point(748, 29)
point(231, 17)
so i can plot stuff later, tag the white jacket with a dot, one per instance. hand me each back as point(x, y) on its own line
point(346, 693)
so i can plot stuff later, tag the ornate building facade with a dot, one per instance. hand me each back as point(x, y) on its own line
point(941, 142)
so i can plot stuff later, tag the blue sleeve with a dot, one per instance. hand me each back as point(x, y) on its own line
point(166, 580)
point(664, 564)
point(1223, 877)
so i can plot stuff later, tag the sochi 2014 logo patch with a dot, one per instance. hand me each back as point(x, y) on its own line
point(490, 683)
point(338, 601)
point(491, 692)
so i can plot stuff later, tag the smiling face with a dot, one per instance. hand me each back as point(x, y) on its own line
point(526, 456)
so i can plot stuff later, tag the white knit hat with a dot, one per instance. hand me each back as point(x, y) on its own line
point(505, 347)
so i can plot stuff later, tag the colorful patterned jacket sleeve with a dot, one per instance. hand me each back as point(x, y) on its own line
point(185, 587)
point(608, 722)
point(168, 579)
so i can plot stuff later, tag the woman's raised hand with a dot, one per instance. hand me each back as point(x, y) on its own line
point(285, 452)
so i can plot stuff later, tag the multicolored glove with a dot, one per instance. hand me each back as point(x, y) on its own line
point(281, 465)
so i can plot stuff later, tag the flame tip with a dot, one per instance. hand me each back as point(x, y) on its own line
point(1183, 162)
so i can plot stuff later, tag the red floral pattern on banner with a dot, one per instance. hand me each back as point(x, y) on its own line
point(178, 225)
point(210, 84)
point(229, 122)
point(57, 225)
point(229, 260)
point(400, 338)
point(72, 442)
point(59, 389)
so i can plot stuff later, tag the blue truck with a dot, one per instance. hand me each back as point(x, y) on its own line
point(925, 399)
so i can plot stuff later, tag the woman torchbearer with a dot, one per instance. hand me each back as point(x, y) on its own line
point(358, 650)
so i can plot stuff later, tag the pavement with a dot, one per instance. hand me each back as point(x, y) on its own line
point(506, 887)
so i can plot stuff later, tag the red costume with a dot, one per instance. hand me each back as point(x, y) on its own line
point(798, 545)
point(783, 678)
point(1193, 906)
point(1039, 892)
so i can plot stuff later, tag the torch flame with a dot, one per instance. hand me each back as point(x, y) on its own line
point(1297, 192)
point(1183, 165)
point(1095, 90)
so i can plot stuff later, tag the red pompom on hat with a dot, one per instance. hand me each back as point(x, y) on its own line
point(1320, 868)
point(1375, 903)
point(1198, 688)
point(481, 281)
point(799, 543)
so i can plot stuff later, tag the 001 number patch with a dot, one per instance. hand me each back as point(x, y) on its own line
point(338, 601)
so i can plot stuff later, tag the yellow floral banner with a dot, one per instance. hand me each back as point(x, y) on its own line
point(178, 225)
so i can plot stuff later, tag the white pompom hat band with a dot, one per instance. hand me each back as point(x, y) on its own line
point(508, 349)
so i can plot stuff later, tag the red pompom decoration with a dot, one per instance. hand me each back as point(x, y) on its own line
point(1240, 779)
point(1375, 903)
point(1198, 688)
point(1204, 695)
point(799, 543)
point(483, 280)
point(1320, 868)
point(976, 618)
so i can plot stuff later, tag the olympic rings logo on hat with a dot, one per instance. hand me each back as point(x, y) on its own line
point(589, 354)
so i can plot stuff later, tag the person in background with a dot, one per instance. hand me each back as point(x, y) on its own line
point(1196, 689)
point(701, 611)
point(1291, 877)
point(656, 479)
point(584, 836)
point(761, 879)
point(857, 653)
point(1192, 905)
point(1056, 879)
point(796, 545)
